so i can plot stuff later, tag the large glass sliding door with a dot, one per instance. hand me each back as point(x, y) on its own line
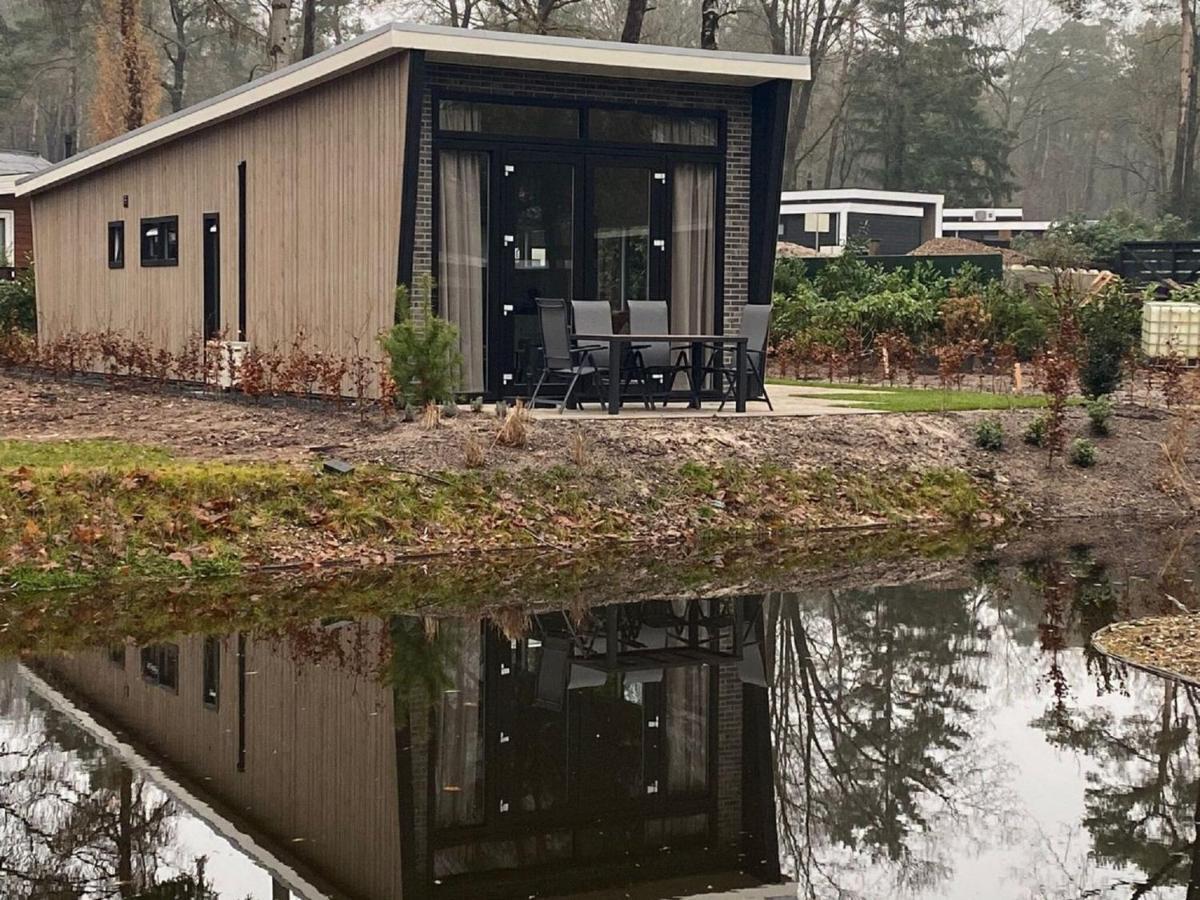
point(626, 238)
point(537, 224)
point(517, 226)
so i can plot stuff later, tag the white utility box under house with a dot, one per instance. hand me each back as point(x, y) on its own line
point(229, 363)
point(1171, 329)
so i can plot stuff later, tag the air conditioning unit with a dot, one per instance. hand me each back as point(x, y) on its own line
point(985, 215)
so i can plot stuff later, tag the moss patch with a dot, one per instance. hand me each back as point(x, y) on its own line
point(80, 512)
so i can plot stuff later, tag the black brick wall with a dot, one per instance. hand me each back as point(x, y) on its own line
point(500, 82)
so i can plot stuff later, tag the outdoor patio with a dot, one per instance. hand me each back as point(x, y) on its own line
point(788, 400)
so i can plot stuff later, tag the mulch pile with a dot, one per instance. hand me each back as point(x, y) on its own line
point(1169, 644)
point(951, 246)
point(787, 249)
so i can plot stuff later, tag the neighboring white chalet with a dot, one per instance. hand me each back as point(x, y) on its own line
point(893, 222)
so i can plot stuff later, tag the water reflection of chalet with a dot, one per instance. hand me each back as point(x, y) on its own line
point(623, 750)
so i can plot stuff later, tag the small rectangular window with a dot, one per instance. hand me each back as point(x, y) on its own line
point(160, 241)
point(212, 671)
point(516, 119)
point(626, 126)
point(160, 665)
point(116, 245)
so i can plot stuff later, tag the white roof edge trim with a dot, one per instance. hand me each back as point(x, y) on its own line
point(971, 210)
point(868, 194)
point(1004, 225)
point(241, 841)
point(850, 206)
point(723, 65)
point(487, 47)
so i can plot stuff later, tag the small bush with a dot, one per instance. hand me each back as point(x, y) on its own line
point(1036, 431)
point(1082, 453)
point(426, 363)
point(1110, 325)
point(1099, 412)
point(989, 435)
point(18, 305)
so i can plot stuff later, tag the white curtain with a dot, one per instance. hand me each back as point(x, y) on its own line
point(694, 249)
point(462, 255)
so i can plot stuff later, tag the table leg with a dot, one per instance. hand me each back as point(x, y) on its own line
point(611, 637)
point(616, 350)
point(740, 390)
point(697, 373)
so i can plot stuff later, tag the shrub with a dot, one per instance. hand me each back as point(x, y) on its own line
point(1110, 325)
point(18, 303)
point(989, 435)
point(1082, 453)
point(425, 361)
point(1036, 431)
point(1099, 412)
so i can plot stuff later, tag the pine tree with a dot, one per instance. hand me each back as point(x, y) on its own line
point(128, 92)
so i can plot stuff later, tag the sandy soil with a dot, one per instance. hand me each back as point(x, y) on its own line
point(1129, 477)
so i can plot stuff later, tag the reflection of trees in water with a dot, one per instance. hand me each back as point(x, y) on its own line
point(76, 822)
point(1143, 795)
point(872, 702)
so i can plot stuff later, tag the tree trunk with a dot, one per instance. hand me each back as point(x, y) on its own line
point(635, 14)
point(308, 28)
point(278, 35)
point(710, 21)
point(1181, 170)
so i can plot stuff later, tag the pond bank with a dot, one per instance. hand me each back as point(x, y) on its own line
point(128, 484)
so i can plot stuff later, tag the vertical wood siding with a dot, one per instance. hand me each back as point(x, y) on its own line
point(322, 219)
point(320, 775)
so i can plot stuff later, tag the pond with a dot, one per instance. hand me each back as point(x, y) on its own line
point(914, 728)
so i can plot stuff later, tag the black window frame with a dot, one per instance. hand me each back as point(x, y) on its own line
point(170, 224)
point(164, 658)
point(116, 229)
point(210, 689)
point(584, 107)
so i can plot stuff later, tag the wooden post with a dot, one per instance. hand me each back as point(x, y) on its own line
point(1016, 385)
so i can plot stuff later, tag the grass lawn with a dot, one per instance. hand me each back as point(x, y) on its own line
point(908, 399)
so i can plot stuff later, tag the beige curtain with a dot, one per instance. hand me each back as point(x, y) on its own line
point(462, 255)
point(459, 773)
point(686, 729)
point(699, 131)
point(694, 249)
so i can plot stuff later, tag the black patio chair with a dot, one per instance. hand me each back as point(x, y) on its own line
point(562, 360)
point(659, 360)
point(595, 317)
point(756, 319)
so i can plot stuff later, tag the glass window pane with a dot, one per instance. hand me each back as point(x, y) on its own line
point(508, 118)
point(629, 127)
point(622, 234)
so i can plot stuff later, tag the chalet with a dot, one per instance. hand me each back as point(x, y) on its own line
point(889, 222)
point(509, 167)
point(16, 225)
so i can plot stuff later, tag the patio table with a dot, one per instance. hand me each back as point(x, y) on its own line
point(619, 343)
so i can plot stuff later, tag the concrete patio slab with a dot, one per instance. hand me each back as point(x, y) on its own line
point(789, 401)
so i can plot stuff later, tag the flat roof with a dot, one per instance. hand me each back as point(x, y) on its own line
point(445, 45)
point(863, 195)
point(997, 225)
point(911, 210)
point(969, 211)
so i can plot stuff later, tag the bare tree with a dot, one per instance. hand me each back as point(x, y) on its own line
point(1183, 167)
point(635, 15)
point(279, 35)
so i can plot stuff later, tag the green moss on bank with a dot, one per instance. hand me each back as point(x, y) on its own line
point(75, 513)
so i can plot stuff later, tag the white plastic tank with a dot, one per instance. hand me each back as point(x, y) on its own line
point(1171, 329)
